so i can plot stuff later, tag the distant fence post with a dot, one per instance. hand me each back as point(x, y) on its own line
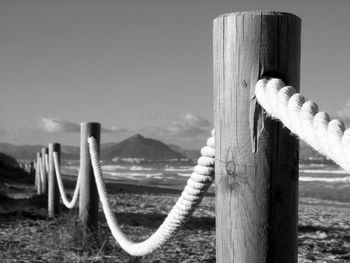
point(32, 168)
point(88, 196)
point(256, 165)
point(38, 174)
point(53, 194)
point(44, 152)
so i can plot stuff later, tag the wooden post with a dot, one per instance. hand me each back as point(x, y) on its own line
point(26, 168)
point(44, 151)
point(53, 194)
point(32, 168)
point(256, 163)
point(88, 196)
point(38, 174)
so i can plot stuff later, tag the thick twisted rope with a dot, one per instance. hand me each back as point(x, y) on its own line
point(197, 186)
point(302, 118)
point(72, 203)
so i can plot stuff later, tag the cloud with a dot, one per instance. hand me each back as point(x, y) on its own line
point(4, 130)
point(52, 125)
point(189, 124)
point(114, 129)
point(344, 114)
point(188, 129)
point(56, 125)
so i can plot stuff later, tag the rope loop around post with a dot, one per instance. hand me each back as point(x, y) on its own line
point(303, 118)
point(197, 185)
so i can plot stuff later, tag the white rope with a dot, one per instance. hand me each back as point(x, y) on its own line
point(302, 118)
point(72, 203)
point(191, 196)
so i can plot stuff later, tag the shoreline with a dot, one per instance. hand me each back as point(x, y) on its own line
point(324, 226)
point(115, 186)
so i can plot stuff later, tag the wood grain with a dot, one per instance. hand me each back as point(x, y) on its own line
point(53, 192)
point(37, 174)
point(88, 196)
point(44, 184)
point(256, 163)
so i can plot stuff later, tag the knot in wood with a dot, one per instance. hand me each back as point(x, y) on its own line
point(231, 168)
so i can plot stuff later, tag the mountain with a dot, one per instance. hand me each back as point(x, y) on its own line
point(7, 161)
point(10, 171)
point(140, 147)
point(190, 154)
point(25, 152)
point(28, 152)
point(308, 154)
point(134, 147)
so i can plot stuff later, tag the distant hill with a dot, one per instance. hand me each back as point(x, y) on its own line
point(28, 152)
point(306, 153)
point(10, 171)
point(7, 161)
point(190, 154)
point(134, 147)
point(140, 147)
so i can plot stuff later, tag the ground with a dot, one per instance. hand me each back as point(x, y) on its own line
point(27, 235)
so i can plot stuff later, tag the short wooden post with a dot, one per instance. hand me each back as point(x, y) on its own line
point(256, 165)
point(26, 167)
point(53, 194)
point(88, 196)
point(32, 168)
point(44, 151)
point(38, 174)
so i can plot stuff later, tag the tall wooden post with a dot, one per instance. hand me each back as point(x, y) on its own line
point(53, 194)
point(88, 196)
point(44, 151)
point(256, 162)
point(38, 174)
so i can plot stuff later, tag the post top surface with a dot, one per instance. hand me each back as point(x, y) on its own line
point(258, 13)
point(90, 123)
point(54, 144)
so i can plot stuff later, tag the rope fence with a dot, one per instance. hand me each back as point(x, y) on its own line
point(254, 157)
point(280, 102)
point(196, 187)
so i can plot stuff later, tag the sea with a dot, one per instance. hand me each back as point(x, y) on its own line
point(171, 174)
point(175, 173)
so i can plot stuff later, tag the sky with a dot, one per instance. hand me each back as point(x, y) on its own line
point(142, 66)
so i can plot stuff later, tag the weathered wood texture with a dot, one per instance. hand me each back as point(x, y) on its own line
point(44, 184)
point(53, 194)
point(88, 196)
point(38, 174)
point(256, 163)
point(32, 168)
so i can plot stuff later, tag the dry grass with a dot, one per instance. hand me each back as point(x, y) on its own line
point(27, 235)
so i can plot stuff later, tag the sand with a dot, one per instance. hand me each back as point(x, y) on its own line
point(26, 235)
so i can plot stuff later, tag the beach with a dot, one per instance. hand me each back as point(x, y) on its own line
point(140, 207)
